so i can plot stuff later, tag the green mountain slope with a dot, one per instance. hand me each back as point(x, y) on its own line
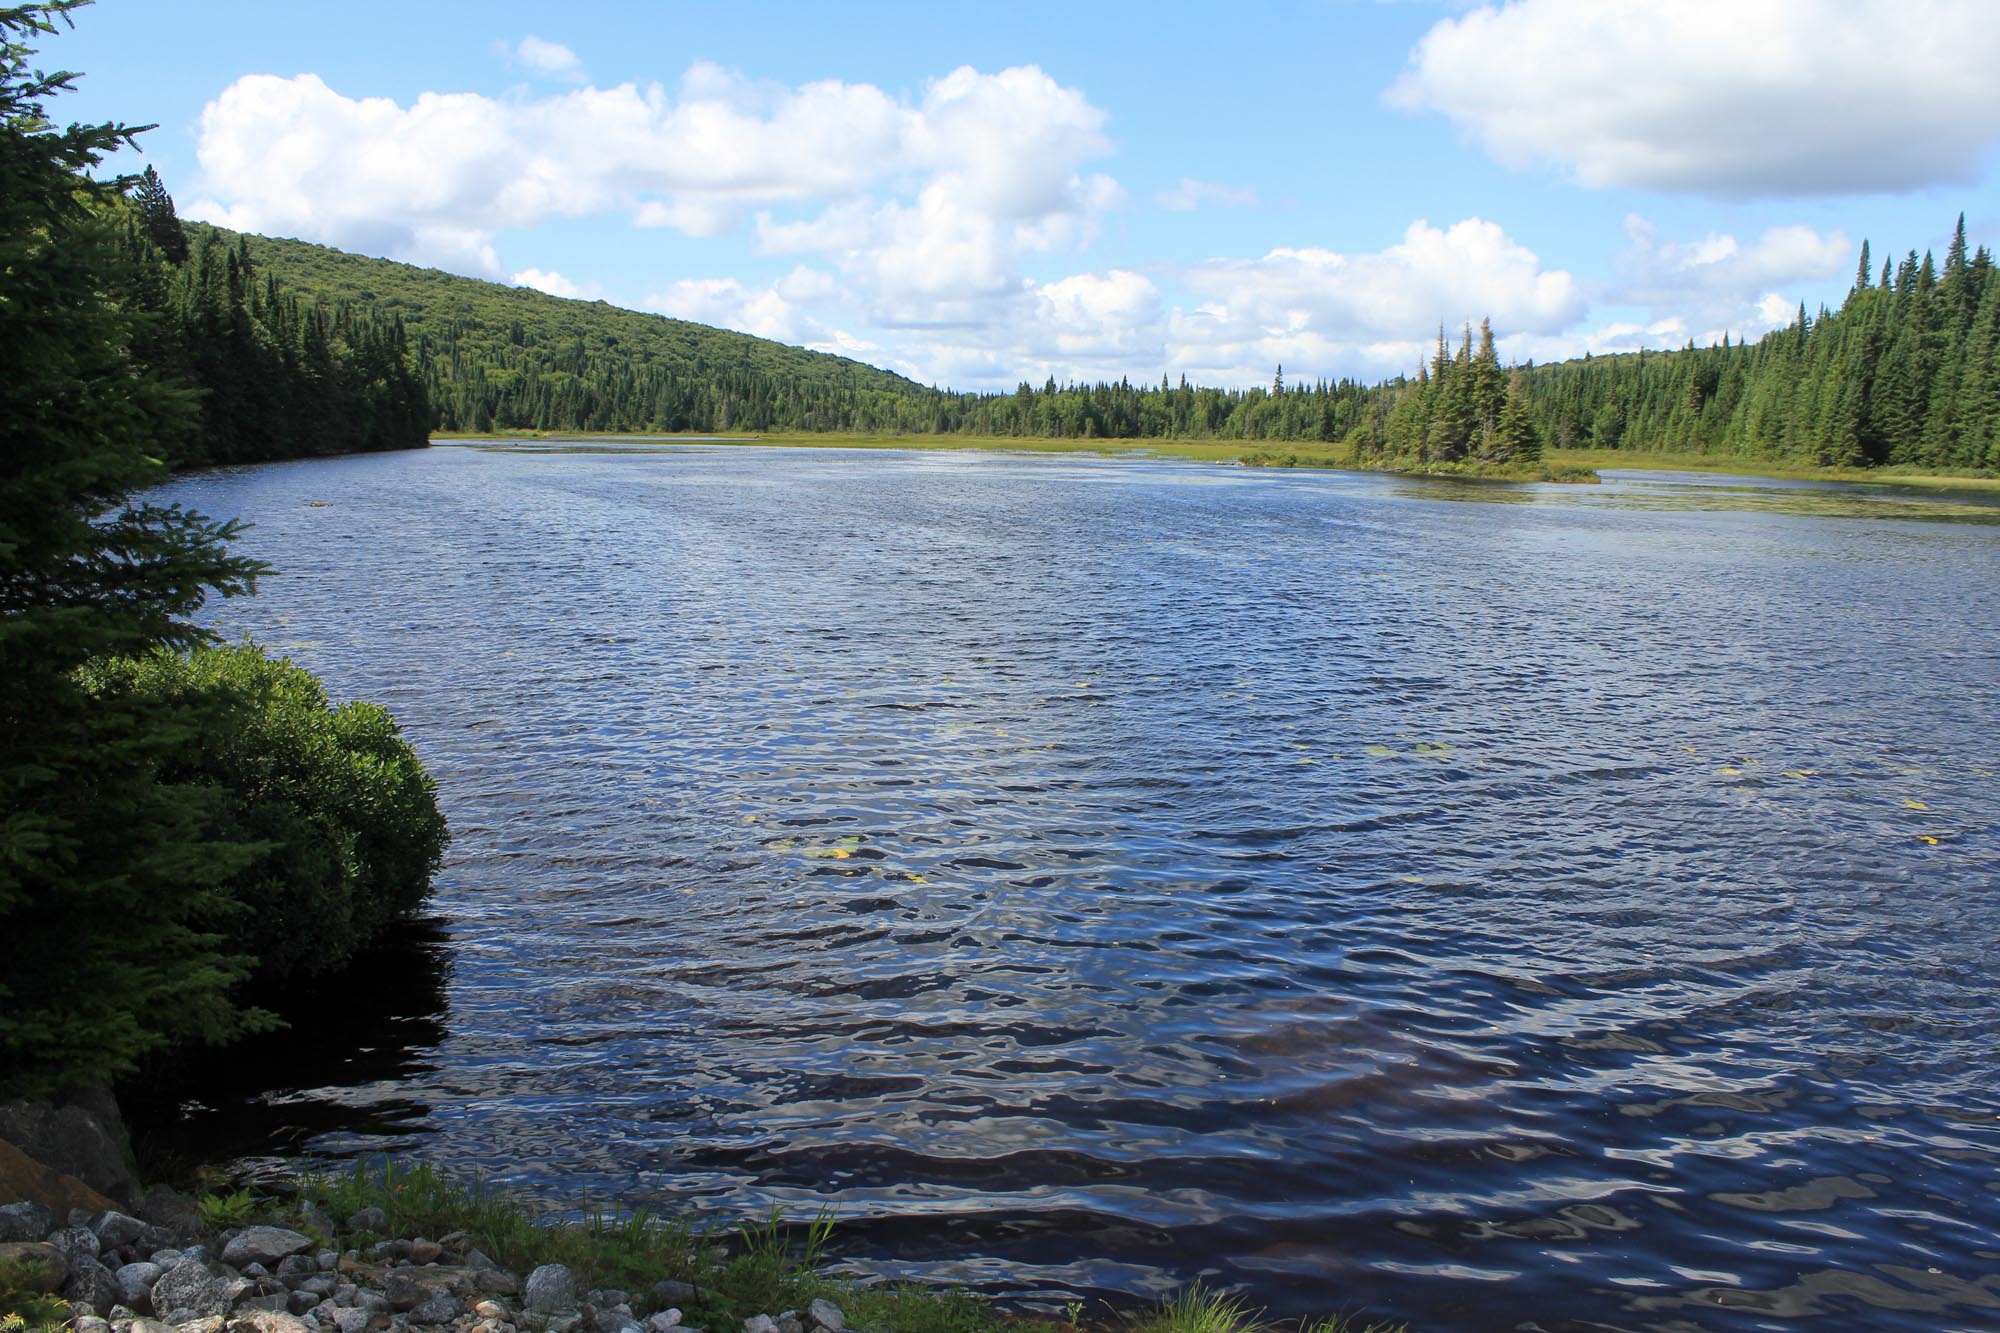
point(498, 357)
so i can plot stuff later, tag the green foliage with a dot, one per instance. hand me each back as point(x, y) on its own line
point(341, 815)
point(23, 1305)
point(1199, 1309)
point(106, 875)
point(222, 1211)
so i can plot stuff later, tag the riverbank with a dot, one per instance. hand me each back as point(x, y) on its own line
point(1562, 464)
point(404, 1248)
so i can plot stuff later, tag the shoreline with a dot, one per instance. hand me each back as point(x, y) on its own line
point(1235, 451)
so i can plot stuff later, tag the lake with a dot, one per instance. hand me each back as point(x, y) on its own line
point(1489, 906)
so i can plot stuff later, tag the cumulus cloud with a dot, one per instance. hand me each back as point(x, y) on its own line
point(1192, 194)
point(550, 58)
point(980, 170)
point(1718, 284)
point(1722, 97)
point(555, 284)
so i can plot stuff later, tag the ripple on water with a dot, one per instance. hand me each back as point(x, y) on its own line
point(1090, 875)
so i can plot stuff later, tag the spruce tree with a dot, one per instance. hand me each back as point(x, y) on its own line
point(107, 880)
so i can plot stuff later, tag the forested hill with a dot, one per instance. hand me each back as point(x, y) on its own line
point(497, 357)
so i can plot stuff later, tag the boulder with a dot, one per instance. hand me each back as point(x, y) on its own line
point(189, 1291)
point(116, 1230)
point(669, 1292)
point(263, 1245)
point(82, 1137)
point(550, 1289)
point(135, 1284)
point(463, 1281)
point(265, 1321)
point(91, 1283)
point(26, 1220)
point(825, 1314)
point(295, 1268)
point(23, 1178)
point(41, 1265)
point(175, 1214)
point(438, 1308)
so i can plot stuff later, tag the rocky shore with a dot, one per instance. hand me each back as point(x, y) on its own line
point(161, 1271)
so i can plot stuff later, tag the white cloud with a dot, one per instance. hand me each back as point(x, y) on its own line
point(1718, 284)
point(550, 58)
point(555, 284)
point(1192, 194)
point(948, 192)
point(1734, 98)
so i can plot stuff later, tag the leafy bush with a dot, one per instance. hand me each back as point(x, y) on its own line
point(340, 816)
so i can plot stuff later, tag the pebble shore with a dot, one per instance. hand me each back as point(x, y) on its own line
point(163, 1273)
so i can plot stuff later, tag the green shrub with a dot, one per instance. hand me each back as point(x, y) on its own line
point(339, 813)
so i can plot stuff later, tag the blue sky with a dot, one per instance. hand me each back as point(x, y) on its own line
point(979, 194)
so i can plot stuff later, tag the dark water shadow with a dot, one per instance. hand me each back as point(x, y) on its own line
point(352, 1047)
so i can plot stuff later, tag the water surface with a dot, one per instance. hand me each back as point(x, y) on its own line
point(1492, 906)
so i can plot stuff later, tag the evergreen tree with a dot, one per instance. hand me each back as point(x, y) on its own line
point(157, 216)
point(106, 880)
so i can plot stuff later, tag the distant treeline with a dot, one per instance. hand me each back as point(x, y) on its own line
point(279, 375)
point(1906, 372)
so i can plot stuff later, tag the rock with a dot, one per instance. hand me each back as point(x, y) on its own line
point(478, 1259)
point(251, 1269)
point(789, 1323)
point(490, 1310)
point(609, 1296)
point(263, 1245)
point(92, 1284)
point(186, 1289)
point(296, 1268)
point(210, 1323)
point(351, 1320)
point(92, 1324)
point(198, 1253)
point(302, 1302)
point(174, 1213)
point(25, 1221)
point(135, 1284)
point(76, 1243)
point(42, 1266)
point(439, 1308)
point(147, 1326)
point(550, 1289)
point(826, 1315)
point(425, 1251)
point(166, 1258)
point(760, 1323)
point(82, 1138)
point(664, 1320)
point(328, 1260)
point(403, 1292)
point(368, 1219)
point(121, 1314)
point(319, 1284)
point(266, 1321)
point(266, 1294)
point(116, 1230)
point(373, 1301)
point(669, 1292)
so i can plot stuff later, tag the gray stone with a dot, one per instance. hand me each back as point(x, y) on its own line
point(760, 1323)
point(789, 1323)
point(165, 1258)
point(173, 1213)
point(827, 1315)
point(135, 1284)
point(374, 1302)
point(189, 1291)
point(303, 1301)
point(91, 1283)
point(147, 1326)
point(388, 1251)
point(403, 1292)
point(266, 1321)
point(121, 1314)
point(203, 1323)
point(251, 1269)
point(76, 1242)
point(198, 1253)
point(328, 1260)
point(663, 1321)
point(92, 1324)
point(345, 1293)
point(321, 1285)
point(295, 1268)
point(117, 1230)
point(551, 1289)
point(425, 1251)
point(25, 1221)
point(610, 1321)
point(480, 1259)
point(263, 1245)
point(368, 1219)
point(351, 1320)
point(266, 1294)
point(42, 1266)
point(438, 1308)
point(669, 1292)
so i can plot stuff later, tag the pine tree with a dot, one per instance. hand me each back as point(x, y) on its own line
point(157, 217)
